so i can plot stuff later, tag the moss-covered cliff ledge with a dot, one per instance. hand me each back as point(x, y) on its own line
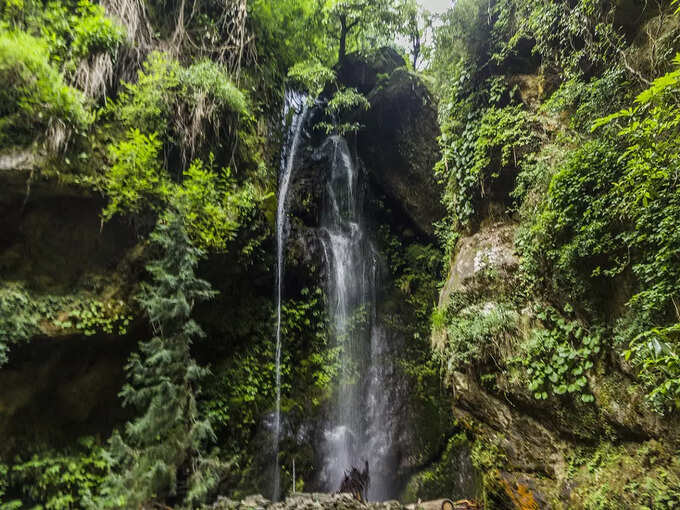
point(556, 321)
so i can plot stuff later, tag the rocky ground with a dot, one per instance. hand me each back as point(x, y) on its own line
point(305, 502)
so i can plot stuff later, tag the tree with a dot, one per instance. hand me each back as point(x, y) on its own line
point(161, 455)
point(415, 24)
point(348, 14)
point(365, 16)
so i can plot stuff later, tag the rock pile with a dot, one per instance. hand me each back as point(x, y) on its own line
point(304, 501)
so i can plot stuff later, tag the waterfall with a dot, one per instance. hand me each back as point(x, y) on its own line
point(296, 105)
point(357, 430)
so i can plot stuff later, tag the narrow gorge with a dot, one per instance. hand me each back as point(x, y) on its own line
point(340, 254)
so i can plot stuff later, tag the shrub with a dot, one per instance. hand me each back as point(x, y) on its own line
point(207, 78)
point(147, 104)
point(479, 335)
point(311, 76)
point(212, 205)
point(37, 99)
point(76, 34)
point(558, 356)
point(57, 480)
point(571, 245)
point(342, 106)
point(182, 105)
point(18, 320)
point(206, 102)
point(135, 181)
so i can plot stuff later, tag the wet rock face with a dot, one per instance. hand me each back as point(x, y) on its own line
point(363, 72)
point(398, 140)
point(58, 242)
point(304, 502)
point(491, 249)
point(55, 391)
point(399, 147)
point(61, 384)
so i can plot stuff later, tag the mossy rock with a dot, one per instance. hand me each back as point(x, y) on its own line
point(452, 476)
point(399, 146)
point(363, 71)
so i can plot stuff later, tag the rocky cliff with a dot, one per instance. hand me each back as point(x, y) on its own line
point(70, 287)
point(529, 328)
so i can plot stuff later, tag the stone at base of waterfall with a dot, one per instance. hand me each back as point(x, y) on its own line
point(304, 501)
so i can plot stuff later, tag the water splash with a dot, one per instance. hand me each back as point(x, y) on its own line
point(295, 105)
point(358, 428)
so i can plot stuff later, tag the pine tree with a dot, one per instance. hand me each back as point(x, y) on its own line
point(161, 455)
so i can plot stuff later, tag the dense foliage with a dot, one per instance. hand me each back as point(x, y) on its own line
point(595, 206)
point(559, 121)
point(558, 118)
point(39, 99)
point(162, 455)
point(55, 480)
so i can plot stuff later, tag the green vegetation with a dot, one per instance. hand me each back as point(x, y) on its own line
point(211, 202)
point(17, 323)
point(163, 453)
point(97, 317)
point(344, 103)
point(479, 152)
point(170, 113)
point(54, 480)
point(557, 358)
point(560, 119)
point(559, 148)
point(598, 216)
point(24, 315)
point(38, 99)
point(181, 105)
point(625, 481)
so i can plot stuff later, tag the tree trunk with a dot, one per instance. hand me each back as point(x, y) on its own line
point(416, 53)
point(343, 39)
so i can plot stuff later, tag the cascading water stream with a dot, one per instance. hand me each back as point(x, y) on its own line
point(358, 431)
point(297, 104)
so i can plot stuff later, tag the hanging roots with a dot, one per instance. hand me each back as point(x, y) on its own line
point(191, 124)
point(199, 122)
point(57, 135)
point(230, 44)
point(132, 15)
point(94, 76)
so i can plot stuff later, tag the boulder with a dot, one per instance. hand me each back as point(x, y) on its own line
point(362, 72)
point(398, 145)
point(491, 249)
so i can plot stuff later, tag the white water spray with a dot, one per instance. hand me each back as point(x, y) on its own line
point(358, 428)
